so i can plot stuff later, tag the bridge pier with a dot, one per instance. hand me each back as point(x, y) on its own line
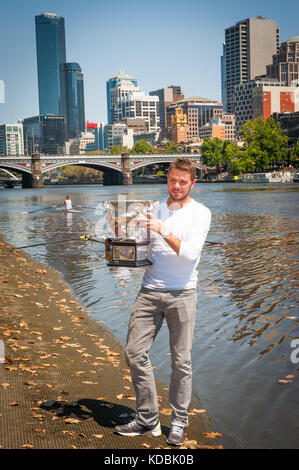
point(126, 172)
point(36, 180)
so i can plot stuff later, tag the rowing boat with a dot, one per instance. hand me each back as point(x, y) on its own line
point(67, 210)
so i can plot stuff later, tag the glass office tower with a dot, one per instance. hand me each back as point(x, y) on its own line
point(118, 87)
point(75, 99)
point(51, 59)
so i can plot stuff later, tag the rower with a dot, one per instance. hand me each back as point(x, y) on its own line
point(68, 203)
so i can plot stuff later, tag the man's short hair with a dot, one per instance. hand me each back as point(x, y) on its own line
point(183, 164)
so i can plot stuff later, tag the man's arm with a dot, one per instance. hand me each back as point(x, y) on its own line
point(157, 227)
point(189, 249)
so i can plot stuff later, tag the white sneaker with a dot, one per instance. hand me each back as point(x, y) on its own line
point(135, 429)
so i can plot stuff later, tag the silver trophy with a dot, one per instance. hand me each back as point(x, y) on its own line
point(128, 245)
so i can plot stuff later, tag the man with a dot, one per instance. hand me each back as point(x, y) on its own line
point(68, 203)
point(178, 232)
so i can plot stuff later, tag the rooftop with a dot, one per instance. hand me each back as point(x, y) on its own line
point(293, 39)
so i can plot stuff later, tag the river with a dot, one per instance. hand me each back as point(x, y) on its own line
point(245, 358)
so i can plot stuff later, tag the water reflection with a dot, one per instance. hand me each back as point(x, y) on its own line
point(259, 270)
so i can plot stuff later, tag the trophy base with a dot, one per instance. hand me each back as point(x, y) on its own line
point(130, 264)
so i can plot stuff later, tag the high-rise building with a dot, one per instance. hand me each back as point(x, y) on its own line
point(60, 84)
point(11, 139)
point(139, 105)
point(249, 47)
point(75, 99)
point(45, 134)
point(167, 96)
point(51, 59)
point(213, 129)
point(267, 100)
point(285, 64)
point(262, 98)
point(223, 79)
point(97, 128)
point(290, 125)
point(117, 88)
point(198, 110)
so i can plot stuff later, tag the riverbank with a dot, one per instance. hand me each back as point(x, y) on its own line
point(65, 382)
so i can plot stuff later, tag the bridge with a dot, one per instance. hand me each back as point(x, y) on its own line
point(117, 169)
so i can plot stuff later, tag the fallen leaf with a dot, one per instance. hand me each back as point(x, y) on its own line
point(146, 445)
point(10, 368)
point(6, 385)
point(27, 446)
point(130, 397)
point(128, 378)
point(190, 442)
point(166, 411)
point(195, 411)
point(72, 420)
point(212, 435)
point(99, 436)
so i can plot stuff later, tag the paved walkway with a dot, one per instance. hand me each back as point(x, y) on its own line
point(65, 383)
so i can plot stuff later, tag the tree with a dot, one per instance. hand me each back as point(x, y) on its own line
point(294, 155)
point(170, 147)
point(118, 149)
point(142, 146)
point(212, 153)
point(94, 152)
point(265, 144)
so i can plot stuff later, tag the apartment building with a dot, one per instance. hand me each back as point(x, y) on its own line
point(243, 99)
point(167, 96)
point(285, 64)
point(139, 105)
point(212, 129)
point(198, 110)
point(249, 47)
point(118, 88)
point(267, 100)
point(11, 139)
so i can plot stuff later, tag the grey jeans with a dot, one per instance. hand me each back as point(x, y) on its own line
point(178, 307)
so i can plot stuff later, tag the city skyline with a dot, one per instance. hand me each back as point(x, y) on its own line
point(167, 43)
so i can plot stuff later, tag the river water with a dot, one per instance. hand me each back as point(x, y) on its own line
point(245, 353)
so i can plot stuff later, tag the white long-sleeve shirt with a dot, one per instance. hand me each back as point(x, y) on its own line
point(171, 271)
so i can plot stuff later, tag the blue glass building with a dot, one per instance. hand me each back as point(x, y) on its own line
point(60, 84)
point(51, 59)
point(75, 99)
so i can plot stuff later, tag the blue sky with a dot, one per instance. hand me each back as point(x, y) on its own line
point(160, 42)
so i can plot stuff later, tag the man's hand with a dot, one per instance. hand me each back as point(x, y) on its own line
point(153, 224)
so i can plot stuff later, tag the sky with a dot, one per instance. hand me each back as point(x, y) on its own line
point(159, 42)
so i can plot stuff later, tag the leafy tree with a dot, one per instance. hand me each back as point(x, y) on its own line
point(294, 155)
point(266, 145)
point(118, 149)
point(212, 153)
point(142, 146)
point(171, 148)
point(94, 152)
